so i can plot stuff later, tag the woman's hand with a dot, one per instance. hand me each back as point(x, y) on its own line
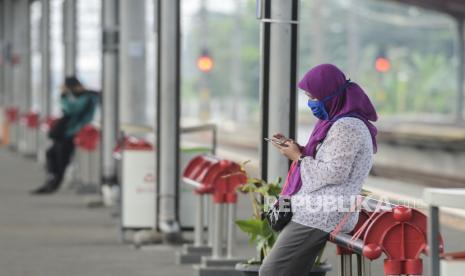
point(281, 136)
point(291, 149)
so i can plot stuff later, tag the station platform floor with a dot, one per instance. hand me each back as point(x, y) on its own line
point(57, 235)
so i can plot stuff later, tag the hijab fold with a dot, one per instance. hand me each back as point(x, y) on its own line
point(321, 82)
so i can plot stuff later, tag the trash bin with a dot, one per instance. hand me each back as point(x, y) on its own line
point(136, 158)
point(136, 163)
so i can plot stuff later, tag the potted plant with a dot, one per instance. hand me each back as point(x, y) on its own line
point(260, 232)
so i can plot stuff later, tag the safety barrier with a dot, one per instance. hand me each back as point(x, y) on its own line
point(29, 133)
point(216, 179)
point(87, 159)
point(397, 231)
point(448, 264)
point(10, 127)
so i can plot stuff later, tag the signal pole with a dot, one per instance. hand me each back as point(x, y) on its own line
point(239, 103)
point(204, 80)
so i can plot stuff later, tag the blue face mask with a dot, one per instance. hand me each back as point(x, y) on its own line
point(318, 107)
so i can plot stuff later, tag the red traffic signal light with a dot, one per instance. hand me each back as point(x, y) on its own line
point(382, 64)
point(205, 63)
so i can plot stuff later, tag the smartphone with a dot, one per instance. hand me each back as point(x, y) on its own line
point(279, 142)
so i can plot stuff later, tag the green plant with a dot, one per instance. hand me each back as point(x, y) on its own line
point(257, 227)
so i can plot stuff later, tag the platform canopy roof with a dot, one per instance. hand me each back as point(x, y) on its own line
point(453, 7)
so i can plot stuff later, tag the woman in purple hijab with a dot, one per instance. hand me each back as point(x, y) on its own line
point(327, 173)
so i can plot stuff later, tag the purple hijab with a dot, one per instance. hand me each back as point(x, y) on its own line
point(322, 81)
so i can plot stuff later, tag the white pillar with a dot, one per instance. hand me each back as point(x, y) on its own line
point(46, 91)
point(109, 89)
point(2, 53)
point(132, 64)
point(7, 18)
point(69, 36)
point(279, 50)
point(21, 47)
point(168, 113)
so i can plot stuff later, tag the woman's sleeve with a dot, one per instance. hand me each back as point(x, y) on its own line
point(341, 145)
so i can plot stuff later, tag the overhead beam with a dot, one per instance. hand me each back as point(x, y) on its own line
point(455, 8)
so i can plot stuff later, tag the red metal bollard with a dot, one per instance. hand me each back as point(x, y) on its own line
point(28, 133)
point(227, 178)
point(399, 233)
point(200, 173)
point(31, 119)
point(12, 114)
point(220, 178)
point(226, 193)
point(48, 123)
point(87, 140)
point(11, 127)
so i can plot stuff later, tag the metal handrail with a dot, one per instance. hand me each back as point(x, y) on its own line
point(206, 127)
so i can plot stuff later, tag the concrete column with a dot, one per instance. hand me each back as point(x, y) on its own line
point(110, 89)
point(132, 56)
point(168, 113)
point(69, 36)
point(46, 91)
point(7, 16)
point(461, 70)
point(279, 49)
point(21, 47)
point(2, 53)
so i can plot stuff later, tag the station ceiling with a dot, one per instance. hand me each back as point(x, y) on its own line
point(453, 7)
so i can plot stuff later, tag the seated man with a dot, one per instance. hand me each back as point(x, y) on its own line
point(78, 106)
